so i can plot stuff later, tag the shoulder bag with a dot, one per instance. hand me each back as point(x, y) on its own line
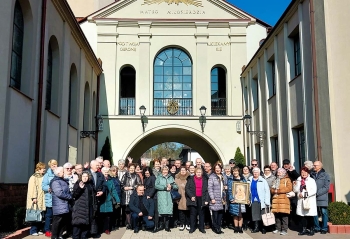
point(33, 215)
point(268, 217)
point(306, 202)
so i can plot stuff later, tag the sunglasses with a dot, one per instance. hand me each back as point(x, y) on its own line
point(254, 165)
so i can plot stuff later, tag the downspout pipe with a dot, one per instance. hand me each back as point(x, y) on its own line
point(315, 80)
point(97, 112)
point(40, 83)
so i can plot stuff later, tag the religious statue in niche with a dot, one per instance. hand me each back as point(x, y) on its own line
point(197, 3)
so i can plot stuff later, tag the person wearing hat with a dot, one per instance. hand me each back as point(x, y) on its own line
point(232, 163)
point(292, 174)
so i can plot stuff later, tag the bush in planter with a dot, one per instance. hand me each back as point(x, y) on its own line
point(339, 213)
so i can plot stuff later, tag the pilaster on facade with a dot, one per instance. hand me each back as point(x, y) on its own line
point(250, 110)
point(287, 59)
point(267, 143)
point(261, 125)
point(308, 127)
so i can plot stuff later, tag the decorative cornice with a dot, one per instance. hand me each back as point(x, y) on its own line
point(67, 15)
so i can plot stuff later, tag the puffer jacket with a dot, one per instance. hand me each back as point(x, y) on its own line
point(49, 175)
point(234, 208)
point(35, 191)
point(280, 201)
point(165, 202)
point(323, 183)
point(60, 196)
point(107, 201)
point(190, 191)
point(181, 181)
point(83, 209)
point(129, 180)
point(216, 192)
point(228, 179)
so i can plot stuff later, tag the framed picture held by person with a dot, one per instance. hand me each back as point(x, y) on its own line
point(241, 192)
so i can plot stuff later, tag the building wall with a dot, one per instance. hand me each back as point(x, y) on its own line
point(338, 57)
point(132, 34)
point(18, 108)
point(294, 104)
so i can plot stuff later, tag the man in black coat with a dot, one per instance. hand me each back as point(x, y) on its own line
point(292, 174)
point(141, 209)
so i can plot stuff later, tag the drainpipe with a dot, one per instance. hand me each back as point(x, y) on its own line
point(41, 79)
point(97, 111)
point(314, 80)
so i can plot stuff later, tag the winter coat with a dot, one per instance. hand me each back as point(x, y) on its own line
point(226, 180)
point(107, 201)
point(129, 180)
point(83, 209)
point(269, 179)
point(99, 184)
point(280, 201)
point(156, 173)
point(293, 175)
point(165, 202)
point(263, 191)
point(117, 186)
point(121, 173)
point(49, 175)
point(149, 184)
point(311, 189)
point(190, 191)
point(181, 181)
point(234, 208)
point(35, 191)
point(216, 192)
point(134, 204)
point(60, 196)
point(322, 182)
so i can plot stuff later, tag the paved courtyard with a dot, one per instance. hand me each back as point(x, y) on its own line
point(176, 234)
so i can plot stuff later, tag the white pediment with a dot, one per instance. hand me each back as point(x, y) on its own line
point(172, 10)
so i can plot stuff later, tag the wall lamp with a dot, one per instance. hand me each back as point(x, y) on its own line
point(261, 134)
point(144, 119)
point(99, 127)
point(202, 118)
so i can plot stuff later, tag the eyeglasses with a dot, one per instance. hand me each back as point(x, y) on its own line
point(232, 163)
point(69, 168)
point(254, 164)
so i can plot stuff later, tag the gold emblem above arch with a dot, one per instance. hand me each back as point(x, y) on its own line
point(197, 3)
point(172, 107)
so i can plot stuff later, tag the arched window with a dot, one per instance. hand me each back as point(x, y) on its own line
point(218, 91)
point(17, 47)
point(52, 76)
point(73, 99)
point(172, 88)
point(127, 91)
point(86, 120)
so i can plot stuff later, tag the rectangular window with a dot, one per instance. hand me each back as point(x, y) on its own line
point(301, 146)
point(255, 92)
point(297, 56)
point(276, 159)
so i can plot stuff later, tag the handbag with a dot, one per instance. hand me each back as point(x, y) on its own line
point(306, 202)
point(33, 215)
point(175, 195)
point(268, 218)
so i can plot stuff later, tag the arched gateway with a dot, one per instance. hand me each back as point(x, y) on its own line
point(176, 133)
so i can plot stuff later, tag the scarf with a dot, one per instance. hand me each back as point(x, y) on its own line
point(302, 184)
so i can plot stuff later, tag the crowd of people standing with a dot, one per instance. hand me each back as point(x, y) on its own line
point(87, 200)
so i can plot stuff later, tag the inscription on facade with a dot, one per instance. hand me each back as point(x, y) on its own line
point(128, 46)
point(197, 3)
point(218, 45)
point(173, 12)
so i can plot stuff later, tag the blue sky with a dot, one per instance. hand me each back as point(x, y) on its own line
point(268, 11)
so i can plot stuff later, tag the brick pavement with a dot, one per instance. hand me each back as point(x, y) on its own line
point(176, 234)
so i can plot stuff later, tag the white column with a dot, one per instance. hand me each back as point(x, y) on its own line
point(267, 142)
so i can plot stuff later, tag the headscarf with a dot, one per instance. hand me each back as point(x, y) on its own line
point(277, 182)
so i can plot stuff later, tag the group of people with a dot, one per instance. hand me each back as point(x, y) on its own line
point(94, 198)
